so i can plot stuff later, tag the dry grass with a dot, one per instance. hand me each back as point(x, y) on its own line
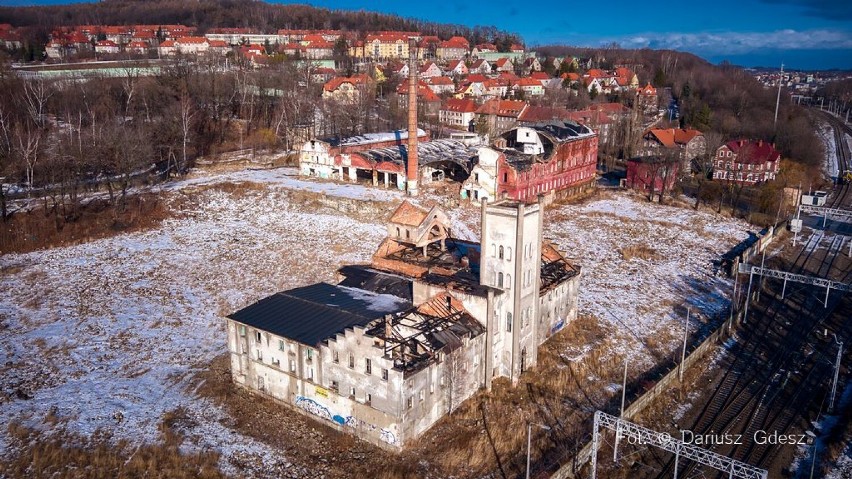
point(67, 456)
point(43, 228)
point(638, 251)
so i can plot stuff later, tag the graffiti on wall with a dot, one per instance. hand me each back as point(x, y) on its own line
point(313, 407)
point(319, 410)
point(388, 436)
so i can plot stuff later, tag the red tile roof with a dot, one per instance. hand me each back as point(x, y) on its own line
point(440, 81)
point(539, 76)
point(476, 78)
point(751, 151)
point(535, 114)
point(510, 108)
point(461, 105)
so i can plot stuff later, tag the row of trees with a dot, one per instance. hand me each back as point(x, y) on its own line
point(60, 138)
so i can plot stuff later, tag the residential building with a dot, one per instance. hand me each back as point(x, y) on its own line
point(480, 66)
point(429, 70)
point(458, 113)
point(441, 85)
point(497, 116)
point(457, 68)
point(683, 144)
point(530, 86)
point(504, 65)
point(347, 89)
point(747, 161)
point(453, 49)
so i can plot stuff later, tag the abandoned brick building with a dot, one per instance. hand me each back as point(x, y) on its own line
point(402, 341)
point(557, 159)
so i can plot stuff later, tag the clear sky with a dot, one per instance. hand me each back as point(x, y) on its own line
point(812, 34)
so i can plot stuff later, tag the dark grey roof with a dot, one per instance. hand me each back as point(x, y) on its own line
point(312, 314)
point(364, 277)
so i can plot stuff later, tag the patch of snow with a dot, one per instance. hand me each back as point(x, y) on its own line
point(826, 134)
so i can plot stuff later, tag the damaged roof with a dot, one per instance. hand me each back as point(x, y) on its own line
point(427, 152)
point(368, 138)
point(312, 314)
point(414, 340)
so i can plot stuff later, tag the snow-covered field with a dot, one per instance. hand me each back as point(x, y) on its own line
point(638, 296)
point(108, 334)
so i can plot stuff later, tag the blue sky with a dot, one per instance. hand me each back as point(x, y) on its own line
point(809, 34)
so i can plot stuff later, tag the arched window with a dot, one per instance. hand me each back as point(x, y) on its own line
point(500, 280)
point(509, 322)
point(493, 250)
point(407, 234)
point(397, 231)
point(509, 254)
point(508, 281)
point(501, 252)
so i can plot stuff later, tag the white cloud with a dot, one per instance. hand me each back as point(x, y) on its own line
point(741, 42)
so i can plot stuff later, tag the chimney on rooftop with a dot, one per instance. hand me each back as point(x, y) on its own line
point(412, 117)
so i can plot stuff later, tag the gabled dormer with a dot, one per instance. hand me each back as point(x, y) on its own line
point(415, 226)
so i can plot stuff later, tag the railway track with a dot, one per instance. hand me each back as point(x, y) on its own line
point(776, 372)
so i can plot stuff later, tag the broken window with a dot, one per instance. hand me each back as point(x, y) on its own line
point(409, 402)
point(501, 252)
point(384, 374)
point(351, 360)
point(282, 346)
point(509, 322)
point(257, 336)
point(335, 386)
point(368, 366)
point(369, 398)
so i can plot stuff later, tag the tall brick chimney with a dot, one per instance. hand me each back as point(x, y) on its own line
point(412, 117)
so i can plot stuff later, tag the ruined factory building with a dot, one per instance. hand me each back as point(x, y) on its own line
point(556, 159)
point(384, 162)
point(402, 341)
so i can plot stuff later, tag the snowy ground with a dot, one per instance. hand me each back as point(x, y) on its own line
point(108, 334)
point(646, 298)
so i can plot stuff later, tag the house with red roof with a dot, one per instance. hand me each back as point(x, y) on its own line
point(470, 89)
point(648, 98)
point(480, 66)
point(457, 68)
point(483, 48)
point(496, 87)
point(453, 49)
point(427, 101)
point(683, 144)
point(383, 45)
point(500, 115)
point(346, 89)
point(531, 64)
point(515, 48)
point(441, 85)
point(530, 87)
point(746, 161)
point(397, 68)
point(322, 74)
point(504, 64)
point(458, 112)
point(429, 69)
point(106, 47)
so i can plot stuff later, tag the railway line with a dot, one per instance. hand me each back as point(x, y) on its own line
point(775, 374)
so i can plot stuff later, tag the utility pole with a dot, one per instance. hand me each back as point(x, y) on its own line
point(778, 98)
point(836, 372)
point(683, 353)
